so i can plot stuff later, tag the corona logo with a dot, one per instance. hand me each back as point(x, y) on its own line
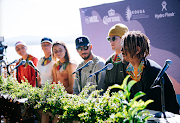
point(111, 12)
point(111, 17)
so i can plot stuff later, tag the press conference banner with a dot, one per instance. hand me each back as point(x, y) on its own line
point(159, 20)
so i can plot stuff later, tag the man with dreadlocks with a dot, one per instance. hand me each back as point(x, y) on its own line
point(135, 49)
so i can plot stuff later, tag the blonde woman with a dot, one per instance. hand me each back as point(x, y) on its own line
point(45, 64)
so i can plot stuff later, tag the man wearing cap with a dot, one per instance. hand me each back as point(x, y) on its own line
point(25, 71)
point(116, 75)
point(84, 48)
point(45, 64)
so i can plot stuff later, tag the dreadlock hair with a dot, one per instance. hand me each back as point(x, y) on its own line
point(132, 39)
point(67, 56)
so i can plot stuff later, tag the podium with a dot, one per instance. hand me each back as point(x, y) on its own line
point(175, 119)
point(15, 110)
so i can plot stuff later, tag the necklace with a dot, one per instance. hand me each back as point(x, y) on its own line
point(135, 73)
point(61, 66)
point(46, 61)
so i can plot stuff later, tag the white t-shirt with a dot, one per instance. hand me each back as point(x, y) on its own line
point(45, 71)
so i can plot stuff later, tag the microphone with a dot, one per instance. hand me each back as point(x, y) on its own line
point(87, 64)
point(168, 62)
point(109, 66)
point(15, 61)
point(33, 66)
point(23, 62)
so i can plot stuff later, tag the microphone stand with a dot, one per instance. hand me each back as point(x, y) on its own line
point(36, 78)
point(80, 80)
point(17, 74)
point(8, 70)
point(164, 113)
point(97, 80)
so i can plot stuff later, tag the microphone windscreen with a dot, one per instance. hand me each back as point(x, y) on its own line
point(16, 61)
point(110, 66)
point(23, 62)
point(168, 62)
point(90, 62)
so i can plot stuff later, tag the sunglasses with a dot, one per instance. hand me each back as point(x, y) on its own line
point(79, 49)
point(113, 38)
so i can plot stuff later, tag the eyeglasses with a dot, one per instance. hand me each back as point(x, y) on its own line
point(79, 49)
point(21, 48)
point(113, 38)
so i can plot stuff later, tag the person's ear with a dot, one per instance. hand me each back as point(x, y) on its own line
point(91, 46)
point(138, 49)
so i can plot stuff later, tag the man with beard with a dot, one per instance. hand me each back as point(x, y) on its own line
point(84, 48)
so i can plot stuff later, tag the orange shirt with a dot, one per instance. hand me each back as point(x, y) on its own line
point(27, 71)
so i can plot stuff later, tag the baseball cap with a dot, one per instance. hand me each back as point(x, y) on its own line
point(82, 41)
point(20, 42)
point(45, 39)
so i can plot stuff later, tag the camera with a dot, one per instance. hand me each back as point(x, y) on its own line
point(2, 48)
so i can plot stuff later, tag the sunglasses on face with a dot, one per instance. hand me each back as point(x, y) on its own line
point(113, 38)
point(79, 49)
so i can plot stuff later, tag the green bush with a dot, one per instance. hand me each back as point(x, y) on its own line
point(85, 107)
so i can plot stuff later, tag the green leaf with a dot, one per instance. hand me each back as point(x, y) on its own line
point(124, 85)
point(141, 113)
point(116, 86)
point(138, 95)
point(147, 117)
point(133, 111)
point(148, 101)
point(119, 114)
point(130, 84)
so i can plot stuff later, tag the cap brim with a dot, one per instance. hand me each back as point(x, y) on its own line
point(82, 45)
point(46, 41)
point(21, 44)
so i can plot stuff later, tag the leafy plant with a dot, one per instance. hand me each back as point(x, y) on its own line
point(89, 106)
point(132, 111)
point(117, 107)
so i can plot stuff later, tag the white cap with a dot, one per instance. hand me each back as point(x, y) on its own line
point(20, 42)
